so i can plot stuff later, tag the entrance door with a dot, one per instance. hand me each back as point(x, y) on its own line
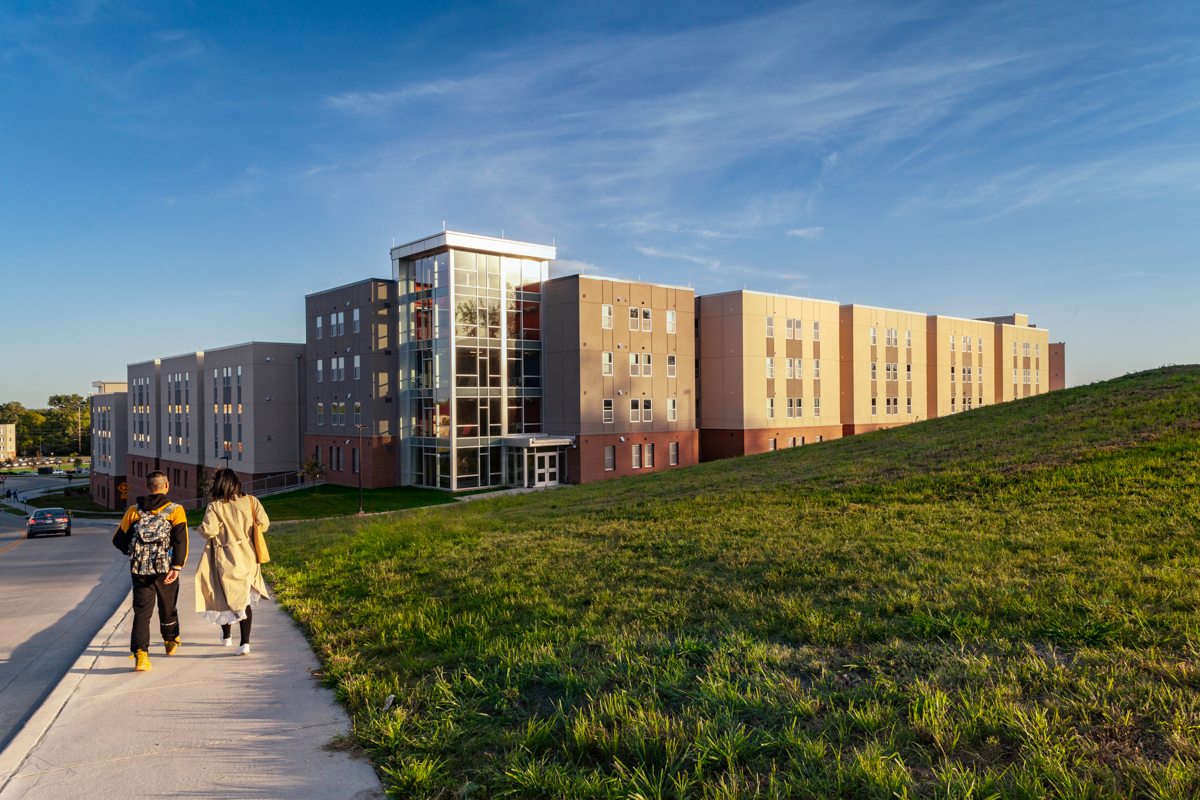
point(546, 473)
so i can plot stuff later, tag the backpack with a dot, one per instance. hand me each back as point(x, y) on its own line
point(150, 545)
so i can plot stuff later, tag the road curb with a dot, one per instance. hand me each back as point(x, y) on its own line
point(18, 750)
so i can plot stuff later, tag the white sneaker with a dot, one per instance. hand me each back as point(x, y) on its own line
point(227, 642)
point(243, 650)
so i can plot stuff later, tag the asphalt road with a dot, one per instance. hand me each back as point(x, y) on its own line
point(55, 593)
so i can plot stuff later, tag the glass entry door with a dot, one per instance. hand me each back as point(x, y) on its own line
point(546, 471)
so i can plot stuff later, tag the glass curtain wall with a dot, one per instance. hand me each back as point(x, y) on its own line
point(470, 334)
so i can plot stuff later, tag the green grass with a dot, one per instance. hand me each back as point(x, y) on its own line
point(328, 500)
point(1002, 603)
point(74, 502)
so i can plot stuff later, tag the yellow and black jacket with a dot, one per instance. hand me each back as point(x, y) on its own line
point(150, 504)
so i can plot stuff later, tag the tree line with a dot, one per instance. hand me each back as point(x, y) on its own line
point(61, 429)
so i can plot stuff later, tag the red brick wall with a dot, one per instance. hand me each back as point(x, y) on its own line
point(106, 491)
point(183, 479)
point(717, 443)
point(585, 463)
point(136, 480)
point(1058, 365)
point(378, 460)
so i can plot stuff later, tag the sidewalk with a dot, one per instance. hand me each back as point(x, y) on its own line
point(202, 723)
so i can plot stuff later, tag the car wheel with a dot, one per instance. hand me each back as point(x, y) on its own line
point(68, 531)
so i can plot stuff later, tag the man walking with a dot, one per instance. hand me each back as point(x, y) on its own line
point(154, 535)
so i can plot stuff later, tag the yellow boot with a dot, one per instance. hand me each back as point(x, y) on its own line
point(171, 644)
point(143, 661)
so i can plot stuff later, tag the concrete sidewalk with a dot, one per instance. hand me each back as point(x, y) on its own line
point(202, 723)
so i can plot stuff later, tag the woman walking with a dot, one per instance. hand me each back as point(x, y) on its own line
point(229, 580)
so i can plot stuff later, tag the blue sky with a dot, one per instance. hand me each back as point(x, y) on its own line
point(176, 177)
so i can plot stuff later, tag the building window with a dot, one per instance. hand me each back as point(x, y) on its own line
point(966, 344)
point(340, 465)
point(799, 330)
point(355, 329)
point(979, 342)
point(670, 322)
point(952, 374)
point(672, 409)
point(1014, 376)
point(952, 408)
point(341, 376)
point(770, 408)
point(608, 411)
point(647, 413)
point(320, 369)
point(645, 319)
point(816, 369)
point(770, 327)
point(816, 331)
point(357, 368)
point(635, 410)
point(358, 413)
point(873, 342)
point(799, 407)
point(771, 444)
point(816, 406)
point(647, 365)
point(770, 367)
point(1037, 377)
point(1037, 349)
point(789, 367)
point(697, 369)
point(673, 453)
point(320, 413)
point(1014, 349)
point(341, 331)
point(635, 361)
point(319, 320)
point(606, 363)
point(873, 408)
point(788, 329)
point(606, 317)
point(910, 406)
point(908, 339)
point(635, 319)
point(908, 372)
point(670, 366)
point(637, 456)
point(799, 367)
point(791, 408)
point(354, 459)
point(872, 370)
point(952, 340)
point(610, 458)
point(648, 451)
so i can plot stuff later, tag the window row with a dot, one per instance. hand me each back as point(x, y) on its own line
point(641, 456)
point(966, 344)
point(968, 375)
point(793, 368)
point(891, 372)
point(795, 407)
point(335, 463)
point(891, 406)
point(891, 337)
point(641, 365)
point(337, 369)
point(639, 319)
point(1036, 374)
point(478, 416)
point(337, 324)
point(1037, 348)
point(337, 414)
point(793, 329)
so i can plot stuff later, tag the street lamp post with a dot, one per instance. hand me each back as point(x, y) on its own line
point(359, 465)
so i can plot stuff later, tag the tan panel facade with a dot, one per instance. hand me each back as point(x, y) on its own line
point(1022, 360)
point(962, 364)
point(883, 368)
point(769, 373)
point(619, 373)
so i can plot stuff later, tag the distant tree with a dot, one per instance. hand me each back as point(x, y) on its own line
point(29, 429)
point(74, 405)
point(78, 462)
point(311, 468)
point(11, 412)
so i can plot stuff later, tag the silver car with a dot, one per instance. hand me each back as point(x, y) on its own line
point(49, 520)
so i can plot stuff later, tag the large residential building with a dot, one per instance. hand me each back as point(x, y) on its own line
point(618, 378)
point(883, 367)
point(962, 365)
point(8, 441)
point(239, 407)
point(351, 376)
point(1022, 353)
point(768, 372)
point(109, 432)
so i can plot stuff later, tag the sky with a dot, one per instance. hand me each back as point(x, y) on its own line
point(176, 177)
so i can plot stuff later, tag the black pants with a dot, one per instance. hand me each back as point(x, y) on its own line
point(244, 625)
point(147, 588)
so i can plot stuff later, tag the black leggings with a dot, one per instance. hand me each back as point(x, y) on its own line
point(226, 630)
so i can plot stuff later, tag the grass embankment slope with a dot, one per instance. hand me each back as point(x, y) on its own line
point(999, 603)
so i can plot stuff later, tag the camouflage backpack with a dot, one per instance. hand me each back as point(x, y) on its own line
point(150, 548)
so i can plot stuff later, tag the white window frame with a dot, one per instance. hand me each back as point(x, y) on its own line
point(672, 409)
point(908, 406)
point(874, 407)
point(873, 342)
point(606, 317)
point(770, 367)
point(646, 319)
point(647, 365)
point(610, 458)
point(799, 330)
point(770, 327)
point(670, 322)
point(606, 363)
point(320, 413)
point(635, 410)
point(873, 374)
point(635, 365)
point(816, 330)
point(908, 339)
point(673, 454)
point(816, 369)
point(670, 366)
point(953, 339)
point(606, 411)
point(647, 410)
point(320, 326)
point(648, 455)
point(635, 319)
point(320, 369)
point(788, 329)
point(354, 324)
point(341, 323)
point(790, 366)
point(816, 407)
point(357, 368)
point(799, 408)
point(770, 408)
point(799, 369)
point(791, 408)
point(636, 456)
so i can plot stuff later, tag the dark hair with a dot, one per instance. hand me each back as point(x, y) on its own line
point(226, 485)
point(156, 477)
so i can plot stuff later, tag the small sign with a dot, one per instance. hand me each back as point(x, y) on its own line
point(123, 487)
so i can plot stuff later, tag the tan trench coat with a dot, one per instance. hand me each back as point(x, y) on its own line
point(229, 568)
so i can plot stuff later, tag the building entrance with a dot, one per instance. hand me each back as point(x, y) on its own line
point(544, 468)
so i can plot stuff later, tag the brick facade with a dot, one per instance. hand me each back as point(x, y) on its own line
point(106, 490)
point(585, 463)
point(718, 443)
point(378, 461)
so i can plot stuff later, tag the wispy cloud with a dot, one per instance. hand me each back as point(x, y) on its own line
point(807, 233)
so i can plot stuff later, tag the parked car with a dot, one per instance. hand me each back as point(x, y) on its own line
point(49, 520)
point(58, 472)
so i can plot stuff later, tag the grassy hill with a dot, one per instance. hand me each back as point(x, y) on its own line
point(1002, 603)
